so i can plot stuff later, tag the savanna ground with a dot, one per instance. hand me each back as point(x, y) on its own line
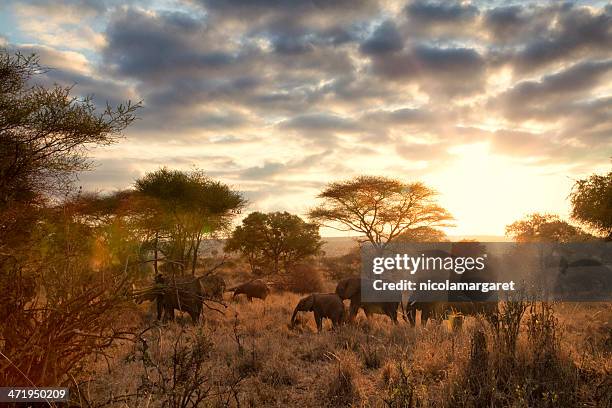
point(250, 356)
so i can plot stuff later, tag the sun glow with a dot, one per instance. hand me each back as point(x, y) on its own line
point(484, 193)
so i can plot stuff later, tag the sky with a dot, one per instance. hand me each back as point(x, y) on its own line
point(498, 106)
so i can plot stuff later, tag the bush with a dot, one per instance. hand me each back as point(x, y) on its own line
point(304, 278)
point(400, 387)
point(342, 386)
point(344, 266)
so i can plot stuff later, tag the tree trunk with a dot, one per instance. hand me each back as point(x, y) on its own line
point(156, 252)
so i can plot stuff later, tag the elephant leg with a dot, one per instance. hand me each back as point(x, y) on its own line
point(392, 313)
point(424, 317)
point(195, 315)
point(353, 310)
point(319, 321)
point(393, 317)
point(168, 313)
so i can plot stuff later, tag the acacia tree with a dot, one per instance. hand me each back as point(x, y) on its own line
point(379, 208)
point(545, 228)
point(192, 207)
point(57, 307)
point(274, 242)
point(591, 200)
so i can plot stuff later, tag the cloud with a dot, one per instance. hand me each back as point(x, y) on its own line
point(437, 70)
point(385, 39)
point(319, 122)
point(571, 32)
point(541, 98)
point(136, 40)
point(279, 87)
point(428, 13)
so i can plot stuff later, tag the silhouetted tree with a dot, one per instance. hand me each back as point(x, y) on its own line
point(275, 241)
point(192, 207)
point(545, 228)
point(380, 208)
point(422, 234)
point(60, 292)
point(591, 200)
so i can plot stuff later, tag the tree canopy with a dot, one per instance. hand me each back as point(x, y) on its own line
point(188, 206)
point(545, 228)
point(422, 234)
point(274, 242)
point(591, 200)
point(45, 132)
point(379, 208)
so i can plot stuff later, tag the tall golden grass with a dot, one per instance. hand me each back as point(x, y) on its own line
point(251, 356)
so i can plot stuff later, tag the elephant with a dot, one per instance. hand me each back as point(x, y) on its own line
point(441, 309)
point(328, 305)
point(184, 293)
point(213, 286)
point(252, 289)
point(583, 279)
point(350, 288)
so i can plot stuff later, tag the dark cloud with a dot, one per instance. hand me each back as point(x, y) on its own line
point(170, 44)
point(541, 98)
point(246, 8)
point(444, 71)
point(571, 32)
point(447, 12)
point(385, 39)
point(505, 22)
point(270, 169)
point(319, 122)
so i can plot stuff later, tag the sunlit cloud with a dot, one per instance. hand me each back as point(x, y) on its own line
point(277, 98)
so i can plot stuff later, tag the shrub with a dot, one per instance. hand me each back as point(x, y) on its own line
point(344, 266)
point(400, 388)
point(304, 278)
point(475, 387)
point(342, 386)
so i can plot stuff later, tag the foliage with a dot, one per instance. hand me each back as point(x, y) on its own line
point(274, 242)
point(304, 278)
point(379, 208)
point(181, 378)
point(343, 266)
point(591, 201)
point(62, 292)
point(45, 132)
point(189, 206)
point(545, 228)
point(422, 234)
point(65, 295)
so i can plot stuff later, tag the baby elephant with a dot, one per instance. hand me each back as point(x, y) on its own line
point(252, 289)
point(323, 305)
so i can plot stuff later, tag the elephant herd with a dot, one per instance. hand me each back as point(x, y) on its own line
point(188, 294)
point(331, 306)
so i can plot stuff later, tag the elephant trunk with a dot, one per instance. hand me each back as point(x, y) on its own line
point(297, 309)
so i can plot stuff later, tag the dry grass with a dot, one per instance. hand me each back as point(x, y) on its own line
point(562, 357)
